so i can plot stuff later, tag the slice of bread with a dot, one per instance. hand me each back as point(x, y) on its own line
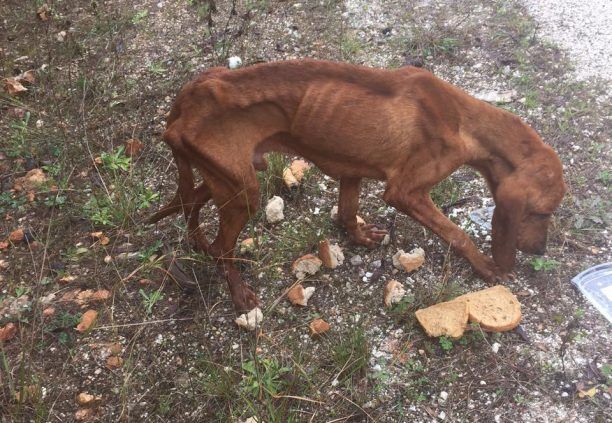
point(448, 319)
point(496, 309)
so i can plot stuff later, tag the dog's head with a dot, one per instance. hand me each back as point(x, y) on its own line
point(524, 203)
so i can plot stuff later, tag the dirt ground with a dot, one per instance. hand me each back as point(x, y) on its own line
point(164, 346)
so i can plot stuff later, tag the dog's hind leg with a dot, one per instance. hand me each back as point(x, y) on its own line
point(237, 201)
point(348, 204)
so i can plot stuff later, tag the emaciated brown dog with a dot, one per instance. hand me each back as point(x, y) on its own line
point(405, 127)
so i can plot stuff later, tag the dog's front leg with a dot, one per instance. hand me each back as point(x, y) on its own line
point(420, 207)
point(348, 204)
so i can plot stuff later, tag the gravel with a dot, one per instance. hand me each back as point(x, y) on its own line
point(581, 27)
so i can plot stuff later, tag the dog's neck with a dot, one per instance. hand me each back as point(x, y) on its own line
point(497, 160)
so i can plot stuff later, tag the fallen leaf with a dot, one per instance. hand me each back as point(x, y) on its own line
point(34, 179)
point(30, 196)
point(113, 362)
point(13, 87)
point(29, 392)
point(66, 279)
point(101, 295)
point(48, 312)
point(587, 393)
point(17, 235)
point(28, 76)
point(318, 327)
point(83, 414)
point(87, 320)
point(43, 13)
point(115, 348)
point(8, 332)
point(133, 147)
point(3, 245)
point(84, 398)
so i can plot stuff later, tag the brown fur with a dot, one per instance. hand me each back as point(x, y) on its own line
point(405, 127)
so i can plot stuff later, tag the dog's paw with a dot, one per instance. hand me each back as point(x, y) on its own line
point(494, 275)
point(368, 235)
point(243, 297)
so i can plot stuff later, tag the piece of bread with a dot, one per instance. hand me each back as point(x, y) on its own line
point(306, 265)
point(409, 261)
point(250, 320)
point(318, 327)
point(298, 295)
point(330, 254)
point(289, 178)
point(496, 309)
point(394, 292)
point(444, 319)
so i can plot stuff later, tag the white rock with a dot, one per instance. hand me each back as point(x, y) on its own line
point(234, 62)
point(274, 209)
point(356, 260)
point(443, 396)
point(495, 347)
point(250, 320)
point(500, 97)
point(442, 415)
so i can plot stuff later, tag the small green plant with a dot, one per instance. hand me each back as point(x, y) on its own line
point(62, 326)
point(55, 200)
point(10, 203)
point(116, 160)
point(99, 211)
point(445, 343)
point(605, 176)
point(150, 251)
point(19, 138)
point(350, 46)
point(540, 263)
point(350, 355)
point(149, 300)
point(140, 16)
point(146, 197)
point(263, 376)
point(21, 290)
point(157, 68)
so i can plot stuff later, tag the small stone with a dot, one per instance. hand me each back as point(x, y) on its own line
point(356, 260)
point(495, 347)
point(443, 397)
point(234, 62)
point(274, 209)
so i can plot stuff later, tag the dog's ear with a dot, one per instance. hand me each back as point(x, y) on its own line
point(510, 200)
